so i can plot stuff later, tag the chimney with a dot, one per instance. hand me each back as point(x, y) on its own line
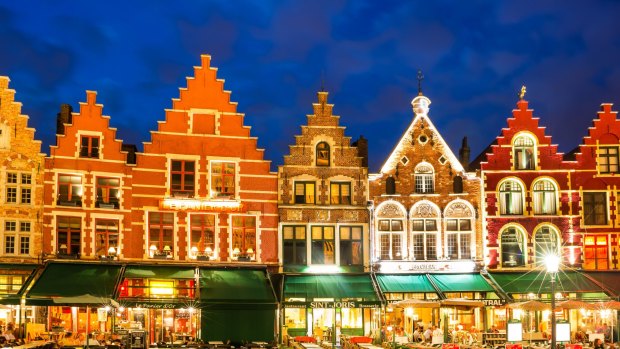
point(464, 153)
point(131, 150)
point(362, 150)
point(62, 118)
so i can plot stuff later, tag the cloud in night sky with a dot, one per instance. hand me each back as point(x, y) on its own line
point(275, 56)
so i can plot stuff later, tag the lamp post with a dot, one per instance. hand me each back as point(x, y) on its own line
point(552, 263)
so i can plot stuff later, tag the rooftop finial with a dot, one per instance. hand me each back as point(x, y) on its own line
point(420, 78)
point(522, 92)
point(322, 80)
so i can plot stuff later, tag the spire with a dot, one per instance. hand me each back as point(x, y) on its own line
point(522, 92)
point(420, 77)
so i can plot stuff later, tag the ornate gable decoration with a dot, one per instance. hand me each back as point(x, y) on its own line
point(390, 211)
point(425, 210)
point(458, 209)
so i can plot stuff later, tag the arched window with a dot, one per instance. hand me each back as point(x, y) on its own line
point(513, 248)
point(322, 154)
point(459, 220)
point(390, 186)
point(545, 242)
point(391, 232)
point(524, 153)
point(424, 178)
point(424, 231)
point(511, 198)
point(544, 197)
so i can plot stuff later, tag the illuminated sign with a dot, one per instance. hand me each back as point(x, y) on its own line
point(332, 304)
point(494, 302)
point(162, 288)
point(155, 305)
point(181, 204)
point(462, 266)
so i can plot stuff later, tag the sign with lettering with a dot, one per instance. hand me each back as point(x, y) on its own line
point(463, 266)
point(332, 304)
point(494, 302)
point(182, 204)
point(155, 305)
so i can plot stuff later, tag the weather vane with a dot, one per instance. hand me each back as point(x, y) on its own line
point(522, 92)
point(420, 78)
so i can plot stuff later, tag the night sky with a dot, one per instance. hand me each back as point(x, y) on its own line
point(275, 56)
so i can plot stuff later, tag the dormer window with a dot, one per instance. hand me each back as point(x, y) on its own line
point(322, 154)
point(424, 178)
point(524, 151)
point(608, 159)
point(89, 147)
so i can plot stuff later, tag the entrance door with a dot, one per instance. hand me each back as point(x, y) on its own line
point(323, 326)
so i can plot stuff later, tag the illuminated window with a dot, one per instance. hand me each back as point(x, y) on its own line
point(294, 245)
point(161, 229)
point(89, 147)
point(108, 192)
point(323, 245)
point(458, 238)
point(595, 208)
point(424, 237)
point(202, 232)
point(182, 178)
point(523, 153)
point(511, 198)
point(546, 242)
point(106, 236)
point(608, 159)
point(244, 234)
point(351, 245)
point(340, 193)
point(391, 235)
point(304, 192)
point(69, 190)
point(18, 188)
point(596, 251)
point(544, 197)
point(513, 248)
point(10, 282)
point(424, 179)
point(222, 179)
point(69, 231)
point(322, 154)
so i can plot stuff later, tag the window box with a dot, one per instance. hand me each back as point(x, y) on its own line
point(202, 258)
point(244, 258)
point(69, 203)
point(104, 205)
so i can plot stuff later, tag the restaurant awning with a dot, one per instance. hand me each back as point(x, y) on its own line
point(16, 279)
point(158, 272)
point(404, 283)
point(338, 287)
point(236, 286)
point(74, 280)
point(539, 282)
point(609, 281)
point(461, 283)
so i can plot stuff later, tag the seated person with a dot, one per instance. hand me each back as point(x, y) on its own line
point(598, 344)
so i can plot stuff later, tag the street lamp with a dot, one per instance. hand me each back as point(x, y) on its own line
point(552, 263)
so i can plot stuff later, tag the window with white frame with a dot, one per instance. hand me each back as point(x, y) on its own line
point(424, 239)
point(545, 242)
point(182, 178)
point(18, 188)
point(544, 197)
point(608, 159)
point(69, 235)
point(69, 190)
point(511, 198)
point(244, 236)
point(524, 152)
point(512, 241)
point(16, 237)
point(459, 219)
point(391, 235)
point(106, 237)
point(323, 245)
point(202, 234)
point(424, 178)
point(223, 179)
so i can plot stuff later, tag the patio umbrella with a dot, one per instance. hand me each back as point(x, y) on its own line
point(612, 305)
point(463, 302)
point(415, 303)
point(530, 305)
point(575, 304)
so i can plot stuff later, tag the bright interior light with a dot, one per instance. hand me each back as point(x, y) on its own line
point(552, 262)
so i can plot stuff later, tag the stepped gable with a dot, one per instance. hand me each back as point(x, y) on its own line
point(322, 125)
point(604, 130)
point(89, 121)
point(500, 155)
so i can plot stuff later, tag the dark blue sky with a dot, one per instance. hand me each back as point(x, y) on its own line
point(475, 56)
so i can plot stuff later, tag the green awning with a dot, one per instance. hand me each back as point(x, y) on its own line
point(16, 279)
point(539, 282)
point(158, 272)
point(330, 286)
point(461, 283)
point(235, 286)
point(238, 325)
point(74, 280)
point(399, 283)
point(609, 281)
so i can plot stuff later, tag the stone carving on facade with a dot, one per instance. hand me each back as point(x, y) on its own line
point(294, 215)
point(350, 215)
point(458, 209)
point(390, 210)
point(425, 210)
point(322, 215)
